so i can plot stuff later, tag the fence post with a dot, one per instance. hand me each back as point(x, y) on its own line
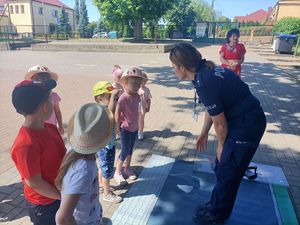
point(297, 45)
point(66, 38)
point(6, 37)
point(46, 33)
point(56, 31)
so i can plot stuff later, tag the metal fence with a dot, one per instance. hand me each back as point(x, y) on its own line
point(27, 33)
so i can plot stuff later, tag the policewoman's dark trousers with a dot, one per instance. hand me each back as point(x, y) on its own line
point(244, 135)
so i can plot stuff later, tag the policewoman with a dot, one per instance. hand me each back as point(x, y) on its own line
point(238, 120)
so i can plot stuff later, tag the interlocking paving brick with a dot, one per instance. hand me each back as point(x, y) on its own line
point(170, 119)
point(142, 196)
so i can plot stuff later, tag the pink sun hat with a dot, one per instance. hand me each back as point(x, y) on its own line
point(117, 73)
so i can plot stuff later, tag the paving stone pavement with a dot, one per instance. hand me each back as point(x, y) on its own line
point(142, 197)
point(170, 128)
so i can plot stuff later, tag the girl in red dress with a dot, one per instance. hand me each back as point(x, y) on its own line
point(232, 53)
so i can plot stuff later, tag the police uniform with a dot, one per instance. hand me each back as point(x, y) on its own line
point(220, 90)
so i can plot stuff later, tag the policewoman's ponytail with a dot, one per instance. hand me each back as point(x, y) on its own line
point(186, 55)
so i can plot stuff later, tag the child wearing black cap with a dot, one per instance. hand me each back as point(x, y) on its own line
point(38, 150)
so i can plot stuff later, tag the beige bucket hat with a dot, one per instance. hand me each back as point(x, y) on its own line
point(90, 128)
point(40, 69)
point(133, 72)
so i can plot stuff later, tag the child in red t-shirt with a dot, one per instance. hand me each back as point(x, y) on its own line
point(38, 150)
point(232, 53)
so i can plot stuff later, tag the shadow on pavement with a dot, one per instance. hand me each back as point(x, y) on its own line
point(12, 202)
point(106, 221)
point(279, 96)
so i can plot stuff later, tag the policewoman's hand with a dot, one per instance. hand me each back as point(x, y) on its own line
point(202, 141)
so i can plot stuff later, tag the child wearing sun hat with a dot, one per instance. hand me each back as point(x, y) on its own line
point(89, 129)
point(145, 105)
point(127, 119)
point(106, 95)
point(42, 73)
point(117, 74)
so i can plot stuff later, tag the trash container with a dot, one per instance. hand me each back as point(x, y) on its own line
point(283, 43)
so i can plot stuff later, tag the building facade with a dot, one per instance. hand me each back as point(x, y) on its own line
point(34, 16)
point(286, 8)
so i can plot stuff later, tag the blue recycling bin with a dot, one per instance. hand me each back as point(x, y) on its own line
point(283, 43)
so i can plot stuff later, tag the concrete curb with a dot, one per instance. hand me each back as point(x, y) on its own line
point(92, 47)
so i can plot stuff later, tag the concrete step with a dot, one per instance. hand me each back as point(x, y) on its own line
point(265, 47)
point(275, 58)
point(262, 50)
point(273, 54)
point(103, 47)
point(3, 46)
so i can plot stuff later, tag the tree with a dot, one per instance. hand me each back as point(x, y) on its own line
point(287, 25)
point(121, 13)
point(101, 27)
point(77, 13)
point(83, 20)
point(224, 19)
point(91, 29)
point(64, 22)
point(203, 10)
point(183, 16)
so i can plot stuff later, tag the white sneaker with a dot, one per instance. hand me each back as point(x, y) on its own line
point(119, 178)
point(112, 197)
point(130, 174)
point(140, 136)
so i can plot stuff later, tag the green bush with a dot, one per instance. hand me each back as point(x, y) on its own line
point(287, 25)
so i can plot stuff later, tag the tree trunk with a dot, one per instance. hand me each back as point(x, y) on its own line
point(138, 33)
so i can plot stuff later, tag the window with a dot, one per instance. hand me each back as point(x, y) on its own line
point(11, 9)
point(52, 28)
point(54, 13)
point(17, 9)
point(22, 9)
point(67, 15)
point(40, 11)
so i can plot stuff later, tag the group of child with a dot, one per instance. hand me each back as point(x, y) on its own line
point(63, 187)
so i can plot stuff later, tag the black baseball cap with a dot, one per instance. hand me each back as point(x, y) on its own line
point(28, 95)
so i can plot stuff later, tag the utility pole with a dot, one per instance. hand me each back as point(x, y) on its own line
point(43, 11)
point(212, 20)
point(212, 10)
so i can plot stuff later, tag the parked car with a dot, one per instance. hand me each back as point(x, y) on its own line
point(100, 35)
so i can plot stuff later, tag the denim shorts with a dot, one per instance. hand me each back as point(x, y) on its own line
point(43, 214)
point(106, 161)
point(127, 143)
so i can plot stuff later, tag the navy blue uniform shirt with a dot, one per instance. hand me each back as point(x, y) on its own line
point(220, 90)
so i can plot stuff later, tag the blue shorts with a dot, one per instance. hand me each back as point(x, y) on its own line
point(43, 214)
point(106, 161)
point(127, 143)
